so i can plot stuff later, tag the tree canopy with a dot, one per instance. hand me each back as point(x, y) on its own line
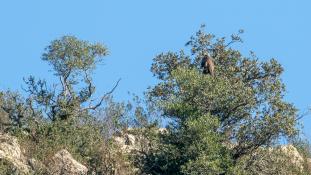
point(217, 120)
point(72, 61)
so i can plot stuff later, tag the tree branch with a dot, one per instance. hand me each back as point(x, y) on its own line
point(303, 115)
point(102, 98)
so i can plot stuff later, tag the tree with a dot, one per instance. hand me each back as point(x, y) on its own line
point(65, 115)
point(14, 112)
point(72, 61)
point(216, 121)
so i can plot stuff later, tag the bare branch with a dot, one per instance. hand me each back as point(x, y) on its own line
point(230, 43)
point(303, 115)
point(88, 91)
point(102, 98)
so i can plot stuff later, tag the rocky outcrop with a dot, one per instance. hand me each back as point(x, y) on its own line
point(127, 142)
point(62, 163)
point(37, 166)
point(10, 151)
point(130, 140)
point(294, 155)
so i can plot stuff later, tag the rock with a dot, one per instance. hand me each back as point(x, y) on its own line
point(37, 166)
point(309, 163)
point(10, 151)
point(130, 141)
point(62, 163)
point(127, 142)
point(293, 153)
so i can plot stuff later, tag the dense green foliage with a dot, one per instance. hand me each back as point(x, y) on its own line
point(217, 120)
point(229, 123)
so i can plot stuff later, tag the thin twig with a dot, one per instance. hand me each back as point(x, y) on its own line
point(303, 115)
point(102, 98)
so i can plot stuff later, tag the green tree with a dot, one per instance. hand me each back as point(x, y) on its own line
point(216, 121)
point(73, 62)
point(65, 115)
point(14, 112)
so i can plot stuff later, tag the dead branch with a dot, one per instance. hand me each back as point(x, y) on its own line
point(101, 99)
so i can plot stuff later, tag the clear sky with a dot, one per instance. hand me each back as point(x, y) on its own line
point(135, 31)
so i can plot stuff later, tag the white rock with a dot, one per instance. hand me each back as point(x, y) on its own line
point(62, 163)
point(11, 152)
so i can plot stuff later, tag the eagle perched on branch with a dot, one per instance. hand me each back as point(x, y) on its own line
point(208, 65)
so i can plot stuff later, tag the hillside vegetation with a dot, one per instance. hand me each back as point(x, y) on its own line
point(228, 121)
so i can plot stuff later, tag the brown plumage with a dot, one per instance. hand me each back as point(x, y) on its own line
point(208, 65)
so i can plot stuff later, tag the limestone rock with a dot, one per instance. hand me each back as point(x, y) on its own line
point(127, 142)
point(130, 141)
point(293, 153)
point(62, 163)
point(10, 151)
point(37, 166)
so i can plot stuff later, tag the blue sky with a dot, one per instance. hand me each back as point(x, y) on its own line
point(135, 31)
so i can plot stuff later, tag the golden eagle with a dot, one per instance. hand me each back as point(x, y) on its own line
point(208, 65)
